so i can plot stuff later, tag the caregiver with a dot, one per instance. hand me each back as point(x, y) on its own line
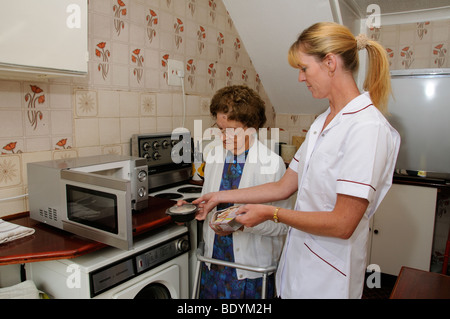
point(341, 172)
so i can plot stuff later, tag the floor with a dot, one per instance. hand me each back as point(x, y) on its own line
point(387, 283)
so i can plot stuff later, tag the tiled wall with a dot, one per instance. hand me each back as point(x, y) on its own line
point(416, 45)
point(126, 91)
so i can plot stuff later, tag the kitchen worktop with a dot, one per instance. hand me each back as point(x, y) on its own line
point(49, 243)
point(420, 181)
point(418, 284)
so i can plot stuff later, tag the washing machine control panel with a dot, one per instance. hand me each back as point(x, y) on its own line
point(132, 266)
point(162, 253)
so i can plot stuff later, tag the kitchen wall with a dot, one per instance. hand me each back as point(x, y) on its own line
point(126, 90)
point(421, 45)
point(418, 45)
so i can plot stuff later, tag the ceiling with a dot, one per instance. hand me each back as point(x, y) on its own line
point(268, 28)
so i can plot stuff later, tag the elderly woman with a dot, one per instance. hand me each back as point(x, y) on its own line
point(341, 172)
point(240, 161)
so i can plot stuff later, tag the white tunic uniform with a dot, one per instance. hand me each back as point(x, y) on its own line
point(355, 155)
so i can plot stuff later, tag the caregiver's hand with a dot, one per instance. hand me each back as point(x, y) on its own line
point(205, 204)
point(251, 215)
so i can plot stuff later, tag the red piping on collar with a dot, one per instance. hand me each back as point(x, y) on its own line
point(357, 111)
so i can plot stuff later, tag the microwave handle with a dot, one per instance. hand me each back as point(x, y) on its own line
point(95, 179)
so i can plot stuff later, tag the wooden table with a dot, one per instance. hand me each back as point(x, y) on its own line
point(50, 243)
point(418, 284)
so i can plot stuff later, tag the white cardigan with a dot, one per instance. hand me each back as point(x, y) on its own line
point(256, 246)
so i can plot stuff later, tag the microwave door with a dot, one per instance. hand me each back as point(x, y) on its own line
point(98, 207)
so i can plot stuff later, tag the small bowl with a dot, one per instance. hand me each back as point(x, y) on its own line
point(183, 213)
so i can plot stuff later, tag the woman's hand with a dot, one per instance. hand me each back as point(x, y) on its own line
point(218, 230)
point(205, 204)
point(181, 202)
point(251, 215)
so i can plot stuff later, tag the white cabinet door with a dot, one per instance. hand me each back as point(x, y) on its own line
point(403, 225)
point(45, 36)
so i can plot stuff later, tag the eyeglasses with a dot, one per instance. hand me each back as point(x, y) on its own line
point(229, 131)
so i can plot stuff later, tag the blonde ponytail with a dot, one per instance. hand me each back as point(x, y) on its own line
point(378, 79)
point(328, 37)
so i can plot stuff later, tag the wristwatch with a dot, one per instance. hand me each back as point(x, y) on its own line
point(275, 215)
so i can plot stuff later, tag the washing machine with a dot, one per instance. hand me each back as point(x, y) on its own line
point(156, 268)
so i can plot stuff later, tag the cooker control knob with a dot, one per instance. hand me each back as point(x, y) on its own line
point(147, 155)
point(156, 155)
point(142, 175)
point(156, 145)
point(146, 146)
point(142, 192)
point(165, 144)
point(183, 245)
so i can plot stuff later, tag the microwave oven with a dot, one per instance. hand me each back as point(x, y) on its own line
point(92, 197)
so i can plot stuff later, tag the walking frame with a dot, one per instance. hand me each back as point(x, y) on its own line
point(200, 258)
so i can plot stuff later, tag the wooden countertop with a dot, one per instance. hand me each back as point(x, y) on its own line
point(418, 284)
point(49, 243)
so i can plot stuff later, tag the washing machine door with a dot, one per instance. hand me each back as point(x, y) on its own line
point(164, 284)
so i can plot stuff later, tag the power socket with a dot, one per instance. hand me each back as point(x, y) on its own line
point(175, 69)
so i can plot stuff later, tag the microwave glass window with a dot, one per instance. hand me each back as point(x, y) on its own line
point(92, 208)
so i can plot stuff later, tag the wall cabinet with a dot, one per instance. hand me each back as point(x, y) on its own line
point(45, 38)
point(402, 229)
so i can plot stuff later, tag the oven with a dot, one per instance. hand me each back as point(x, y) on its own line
point(169, 177)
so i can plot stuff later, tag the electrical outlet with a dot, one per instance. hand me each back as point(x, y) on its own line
point(174, 69)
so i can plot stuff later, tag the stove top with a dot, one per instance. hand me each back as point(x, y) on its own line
point(166, 178)
point(187, 192)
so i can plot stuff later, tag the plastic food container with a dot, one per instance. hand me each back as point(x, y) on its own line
point(225, 219)
point(183, 213)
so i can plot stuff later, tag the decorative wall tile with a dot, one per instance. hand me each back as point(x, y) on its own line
point(102, 56)
point(152, 26)
point(61, 154)
point(37, 122)
point(10, 172)
point(86, 103)
point(148, 104)
point(62, 143)
point(120, 15)
point(11, 146)
point(419, 45)
point(35, 102)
